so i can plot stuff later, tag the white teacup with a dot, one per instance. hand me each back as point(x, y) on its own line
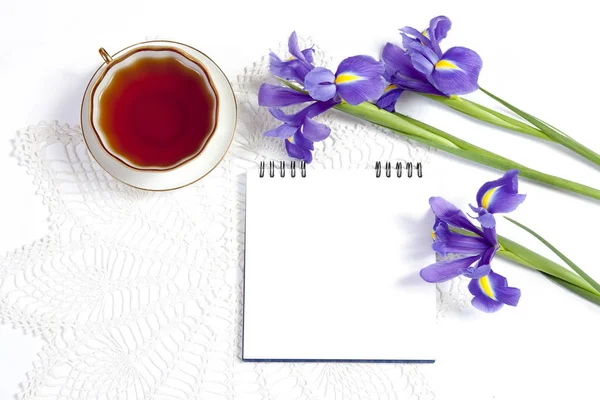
point(184, 171)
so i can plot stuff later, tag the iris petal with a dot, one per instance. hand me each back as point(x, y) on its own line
point(487, 220)
point(283, 131)
point(509, 179)
point(422, 63)
point(497, 280)
point(320, 107)
point(302, 141)
point(475, 288)
point(487, 256)
point(477, 271)
point(294, 47)
point(456, 243)
point(505, 202)
point(400, 62)
point(389, 98)
point(319, 83)
point(501, 195)
point(315, 131)
point(283, 69)
point(309, 55)
point(451, 215)
point(443, 271)
point(359, 79)
point(279, 96)
point(490, 235)
point(439, 27)
point(297, 66)
point(415, 86)
point(492, 291)
point(292, 119)
point(298, 152)
point(298, 118)
point(447, 242)
point(486, 304)
point(508, 295)
point(457, 71)
point(365, 67)
point(412, 36)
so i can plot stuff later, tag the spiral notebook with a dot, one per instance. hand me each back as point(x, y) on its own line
point(332, 260)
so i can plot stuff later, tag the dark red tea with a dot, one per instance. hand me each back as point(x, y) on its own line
point(158, 112)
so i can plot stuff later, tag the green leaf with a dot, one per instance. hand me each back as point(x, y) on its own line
point(541, 263)
point(530, 259)
point(594, 298)
point(550, 131)
point(488, 115)
point(570, 263)
point(591, 296)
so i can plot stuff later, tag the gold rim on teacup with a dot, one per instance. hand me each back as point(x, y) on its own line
point(111, 63)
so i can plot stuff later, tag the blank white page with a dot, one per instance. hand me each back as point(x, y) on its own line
point(332, 267)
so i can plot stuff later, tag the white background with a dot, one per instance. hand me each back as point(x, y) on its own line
point(538, 54)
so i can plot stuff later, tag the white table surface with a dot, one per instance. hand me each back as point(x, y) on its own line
point(539, 54)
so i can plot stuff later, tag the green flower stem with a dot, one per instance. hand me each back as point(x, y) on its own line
point(591, 296)
point(577, 290)
point(567, 261)
point(488, 115)
point(550, 131)
point(393, 121)
point(538, 128)
point(513, 251)
point(522, 255)
point(439, 139)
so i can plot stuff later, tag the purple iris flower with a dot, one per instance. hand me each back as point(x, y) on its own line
point(300, 131)
point(492, 292)
point(422, 66)
point(499, 196)
point(475, 250)
point(297, 66)
point(403, 76)
point(357, 79)
point(454, 233)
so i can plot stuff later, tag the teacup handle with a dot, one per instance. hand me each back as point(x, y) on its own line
point(107, 58)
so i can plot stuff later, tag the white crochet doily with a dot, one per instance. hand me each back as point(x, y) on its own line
point(138, 294)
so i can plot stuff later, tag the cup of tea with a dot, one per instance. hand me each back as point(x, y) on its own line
point(158, 115)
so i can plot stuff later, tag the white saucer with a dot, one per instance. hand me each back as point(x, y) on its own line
point(190, 171)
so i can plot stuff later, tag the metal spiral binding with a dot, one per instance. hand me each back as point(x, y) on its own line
point(263, 166)
point(399, 168)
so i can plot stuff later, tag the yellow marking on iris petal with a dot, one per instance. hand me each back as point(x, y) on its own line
point(445, 64)
point(484, 284)
point(487, 197)
point(389, 87)
point(291, 58)
point(424, 33)
point(346, 78)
